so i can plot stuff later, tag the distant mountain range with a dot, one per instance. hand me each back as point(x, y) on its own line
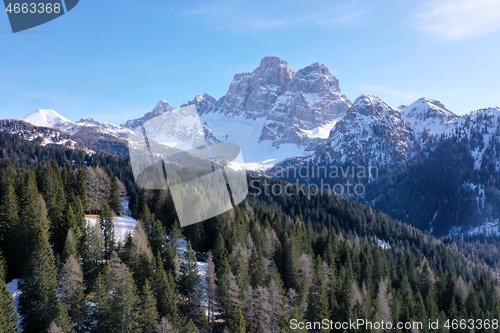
point(281, 117)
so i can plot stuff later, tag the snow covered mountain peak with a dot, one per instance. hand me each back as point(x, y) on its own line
point(427, 116)
point(47, 118)
point(161, 107)
point(373, 107)
point(370, 133)
point(424, 108)
point(278, 108)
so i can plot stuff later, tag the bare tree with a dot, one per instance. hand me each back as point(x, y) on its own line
point(98, 188)
point(211, 289)
point(166, 327)
point(306, 269)
point(384, 300)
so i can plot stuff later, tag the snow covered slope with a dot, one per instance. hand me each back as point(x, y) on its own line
point(274, 113)
point(428, 116)
point(370, 133)
point(480, 130)
point(48, 118)
point(123, 225)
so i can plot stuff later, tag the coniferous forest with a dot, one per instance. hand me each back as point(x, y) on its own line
point(272, 264)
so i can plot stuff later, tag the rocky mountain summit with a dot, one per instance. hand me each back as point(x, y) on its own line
point(372, 133)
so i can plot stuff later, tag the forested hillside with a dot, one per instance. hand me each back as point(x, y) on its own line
point(273, 261)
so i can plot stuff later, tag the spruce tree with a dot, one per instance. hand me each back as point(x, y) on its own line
point(38, 286)
point(171, 260)
point(82, 187)
point(108, 230)
point(79, 211)
point(114, 195)
point(190, 285)
point(317, 303)
point(10, 228)
point(165, 293)
point(69, 182)
point(148, 315)
point(91, 251)
point(32, 213)
point(8, 313)
point(124, 303)
point(70, 247)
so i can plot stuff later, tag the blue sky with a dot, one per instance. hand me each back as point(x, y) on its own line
point(114, 60)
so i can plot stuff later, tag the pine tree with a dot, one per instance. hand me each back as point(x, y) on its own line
point(33, 215)
point(157, 237)
point(51, 187)
point(171, 260)
point(317, 304)
point(190, 285)
point(124, 303)
point(81, 223)
point(257, 273)
point(220, 251)
point(68, 179)
point(81, 188)
point(8, 313)
point(108, 230)
point(38, 286)
point(92, 254)
point(148, 319)
point(165, 293)
point(70, 247)
point(101, 313)
point(59, 232)
point(238, 324)
point(9, 226)
point(114, 195)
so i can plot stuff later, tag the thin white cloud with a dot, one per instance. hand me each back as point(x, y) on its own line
point(455, 20)
point(253, 16)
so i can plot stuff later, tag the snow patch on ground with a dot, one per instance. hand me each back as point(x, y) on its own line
point(491, 228)
point(383, 244)
point(14, 291)
point(246, 133)
point(321, 132)
point(123, 225)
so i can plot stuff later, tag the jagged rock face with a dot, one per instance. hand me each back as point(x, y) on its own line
point(290, 104)
point(204, 104)
point(312, 99)
point(160, 108)
point(371, 133)
point(252, 95)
